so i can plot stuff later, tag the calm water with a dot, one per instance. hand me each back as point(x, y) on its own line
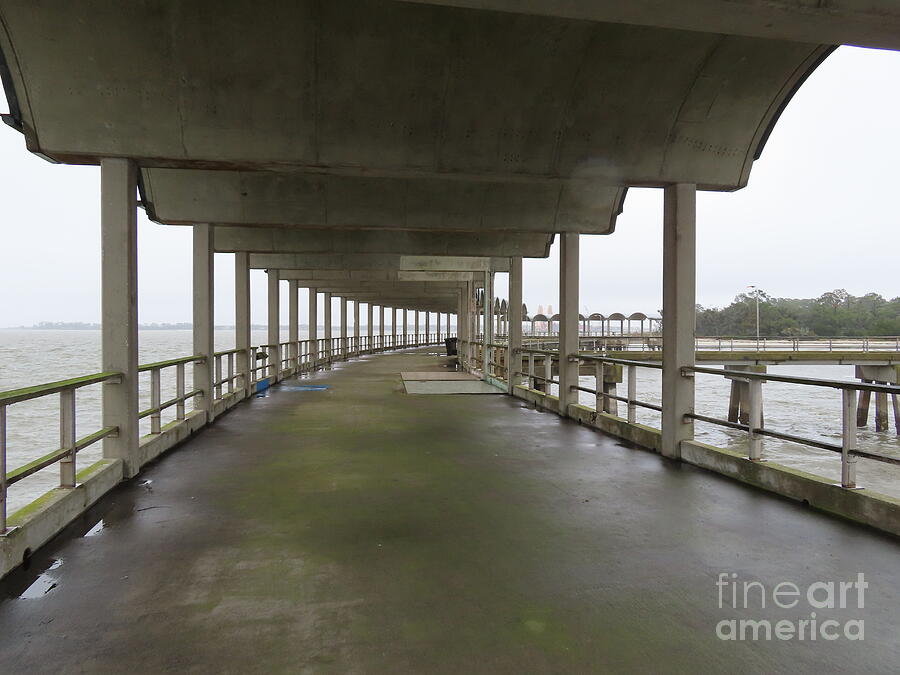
point(29, 357)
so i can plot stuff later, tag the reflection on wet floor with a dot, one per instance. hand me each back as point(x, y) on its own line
point(45, 582)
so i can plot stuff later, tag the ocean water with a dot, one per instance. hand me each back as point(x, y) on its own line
point(29, 357)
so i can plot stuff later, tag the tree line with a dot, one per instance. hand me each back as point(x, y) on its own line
point(833, 313)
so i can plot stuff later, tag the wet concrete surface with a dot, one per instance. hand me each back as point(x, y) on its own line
point(358, 529)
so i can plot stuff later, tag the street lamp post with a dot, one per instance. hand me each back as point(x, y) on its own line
point(756, 293)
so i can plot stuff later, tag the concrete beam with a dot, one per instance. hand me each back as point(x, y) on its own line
point(314, 276)
point(284, 240)
point(452, 264)
point(374, 261)
point(316, 201)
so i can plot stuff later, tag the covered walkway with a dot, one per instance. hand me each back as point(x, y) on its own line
point(361, 529)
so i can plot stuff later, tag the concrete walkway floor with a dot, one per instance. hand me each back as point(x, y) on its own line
point(359, 529)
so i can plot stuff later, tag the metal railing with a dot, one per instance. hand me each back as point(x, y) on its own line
point(604, 400)
point(296, 357)
point(848, 448)
point(154, 412)
point(69, 443)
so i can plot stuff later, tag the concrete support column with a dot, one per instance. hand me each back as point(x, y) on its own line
point(118, 240)
point(313, 325)
point(203, 320)
point(568, 320)
point(393, 326)
point(326, 298)
point(382, 326)
point(294, 323)
point(679, 301)
point(488, 323)
point(514, 358)
point(405, 313)
point(416, 339)
point(356, 326)
point(437, 327)
point(370, 329)
point(344, 350)
point(274, 325)
point(242, 319)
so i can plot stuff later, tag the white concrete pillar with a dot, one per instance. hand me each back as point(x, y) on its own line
point(313, 324)
point(568, 320)
point(679, 309)
point(274, 324)
point(416, 339)
point(405, 313)
point(514, 358)
point(204, 344)
point(294, 323)
point(437, 326)
point(370, 328)
point(381, 326)
point(393, 326)
point(119, 340)
point(488, 322)
point(344, 349)
point(326, 299)
point(242, 318)
point(356, 326)
point(428, 326)
point(448, 323)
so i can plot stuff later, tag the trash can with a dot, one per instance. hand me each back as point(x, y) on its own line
point(450, 343)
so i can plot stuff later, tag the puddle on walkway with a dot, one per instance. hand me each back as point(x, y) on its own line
point(304, 387)
point(96, 529)
point(43, 584)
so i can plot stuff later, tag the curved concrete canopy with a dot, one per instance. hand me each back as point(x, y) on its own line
point(305, 200)
point(390, 115)
point(866, 23)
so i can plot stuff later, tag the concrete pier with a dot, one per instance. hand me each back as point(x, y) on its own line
point(282, 539)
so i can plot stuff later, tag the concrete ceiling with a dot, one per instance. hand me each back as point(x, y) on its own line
point(374, 127)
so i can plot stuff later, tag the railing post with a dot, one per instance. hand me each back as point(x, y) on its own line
point(67, 437)
point(548, 373)
point(179, 391)
point(598, 386)
point(848, 438)
point(755, 419)
point(118, 226)
point(230, 372)
point(218, 382)
point(155, 400)
point(632, 394)
point(531, 371)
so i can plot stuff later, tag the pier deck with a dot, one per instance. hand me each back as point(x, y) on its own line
point(361, 529)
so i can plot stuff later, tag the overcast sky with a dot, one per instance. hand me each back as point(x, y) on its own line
point(821, 212)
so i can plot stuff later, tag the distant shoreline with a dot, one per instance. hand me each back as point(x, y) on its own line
point(150, 326)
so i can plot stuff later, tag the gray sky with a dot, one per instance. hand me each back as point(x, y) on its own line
point(821, 212)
